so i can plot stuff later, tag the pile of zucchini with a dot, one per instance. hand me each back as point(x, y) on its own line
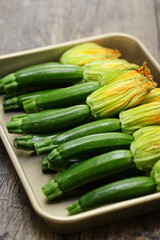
point(94, 118)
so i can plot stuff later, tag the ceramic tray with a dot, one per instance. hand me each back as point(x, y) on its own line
point(28, 165)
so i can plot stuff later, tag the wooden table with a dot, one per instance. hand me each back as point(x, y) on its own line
point(33, 23)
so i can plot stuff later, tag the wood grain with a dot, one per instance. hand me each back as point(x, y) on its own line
point(28, 24)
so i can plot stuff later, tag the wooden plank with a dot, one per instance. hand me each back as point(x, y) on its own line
point(39, 23)
point(28, 24)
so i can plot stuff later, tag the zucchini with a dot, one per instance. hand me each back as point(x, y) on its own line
point(87, 146)
point(132, 171)
point(48, 121)
point(64, 97)
point(17, 102)
point(27, 142)
point(29, 69)
point(100, 126)
point(88, 171)
point(114, 192)
point(42, 78)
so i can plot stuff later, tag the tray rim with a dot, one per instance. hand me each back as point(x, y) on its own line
point(15, 162)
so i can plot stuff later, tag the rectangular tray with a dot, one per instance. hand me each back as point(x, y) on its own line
point(28, 165)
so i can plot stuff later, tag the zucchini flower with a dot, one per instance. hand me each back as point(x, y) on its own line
point(152, 96)
point(146, 149)
point(155, 173)
point(109, 100)
point(93, 70)
point(142, 130)
point(144, 115)
point(87, 52)
point(125, 71)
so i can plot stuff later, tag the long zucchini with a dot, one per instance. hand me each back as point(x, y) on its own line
point(100, 126)
point(64, 97)
point(114, 192)
point(17, 102)
point(43, 77)
point(27, 142)
point(87, 146)
point(88, 171)
point(50, 120)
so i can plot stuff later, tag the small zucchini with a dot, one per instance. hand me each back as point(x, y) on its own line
point(64, 97)
point(43, 77)
point(88, 171)
point(27, 142)
point(87, 146)
point(100, 126)
point(48, 121)
point(17, 102)
point(114, 192)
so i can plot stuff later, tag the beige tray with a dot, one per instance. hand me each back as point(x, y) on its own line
point(27, 164)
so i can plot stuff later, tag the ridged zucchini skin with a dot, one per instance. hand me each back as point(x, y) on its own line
point(42, 78)
point(87, 171)
point(114, 192)
point(64, 97)
point(27, 142)
point(48, 121)
point(100, 126)
point(86, 147)
point(17, 102)
point(29, 69)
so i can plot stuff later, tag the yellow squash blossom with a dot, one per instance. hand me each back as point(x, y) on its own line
point(93, 70)
point(144, 115)
point(146, 149)
point(87, 52)
point(125, 71)
point(111, 99)
point(152, 96)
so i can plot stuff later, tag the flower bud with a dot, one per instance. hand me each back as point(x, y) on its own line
point(87, 52)
point(111, 99)
point(144, 115)
point(155, 173)
point(93, 70)
point(152, 96)
point(125, 71)
point(142, 130)
point(146, 149)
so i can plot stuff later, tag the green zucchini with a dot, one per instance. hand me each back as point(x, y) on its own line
point(132, 171)
point(17, 102)
point(87, 146)
point(28, 70)
point(100, 126)
point(88, 171)
point(44, 77)
point(64, 97)
point(48, 121)
point(27, 142)
point(114, 192)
